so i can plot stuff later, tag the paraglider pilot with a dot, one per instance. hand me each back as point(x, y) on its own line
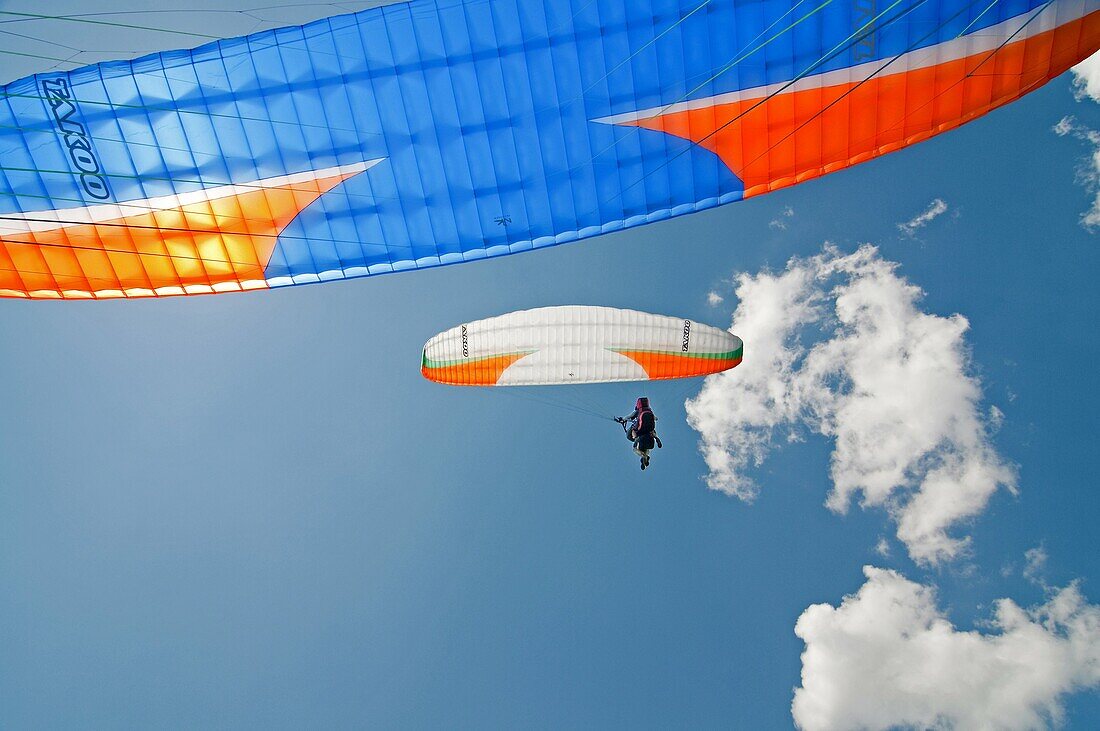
point(641, 429)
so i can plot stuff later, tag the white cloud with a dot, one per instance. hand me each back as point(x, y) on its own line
point(888, 657)
point(781, 221)
point(1086, 78)
point(882, 548)
point(714, 299)
point(1086, 85)
point(996, 418)
point(935, 209)
point(1088, 174)
point(1035, 564)
point(890, 384)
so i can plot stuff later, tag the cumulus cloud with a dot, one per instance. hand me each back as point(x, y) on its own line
point(1086, 78)
point(935, 209)
point(781, 221)
point(714, 299)
point(836, 345)
point(889, 657)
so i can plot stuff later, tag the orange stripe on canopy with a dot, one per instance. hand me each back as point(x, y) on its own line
point(480, 372)
point(214, 240)
point(776, 141)
point(677, 365)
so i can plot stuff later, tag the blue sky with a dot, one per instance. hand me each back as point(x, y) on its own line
point(252, 511)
